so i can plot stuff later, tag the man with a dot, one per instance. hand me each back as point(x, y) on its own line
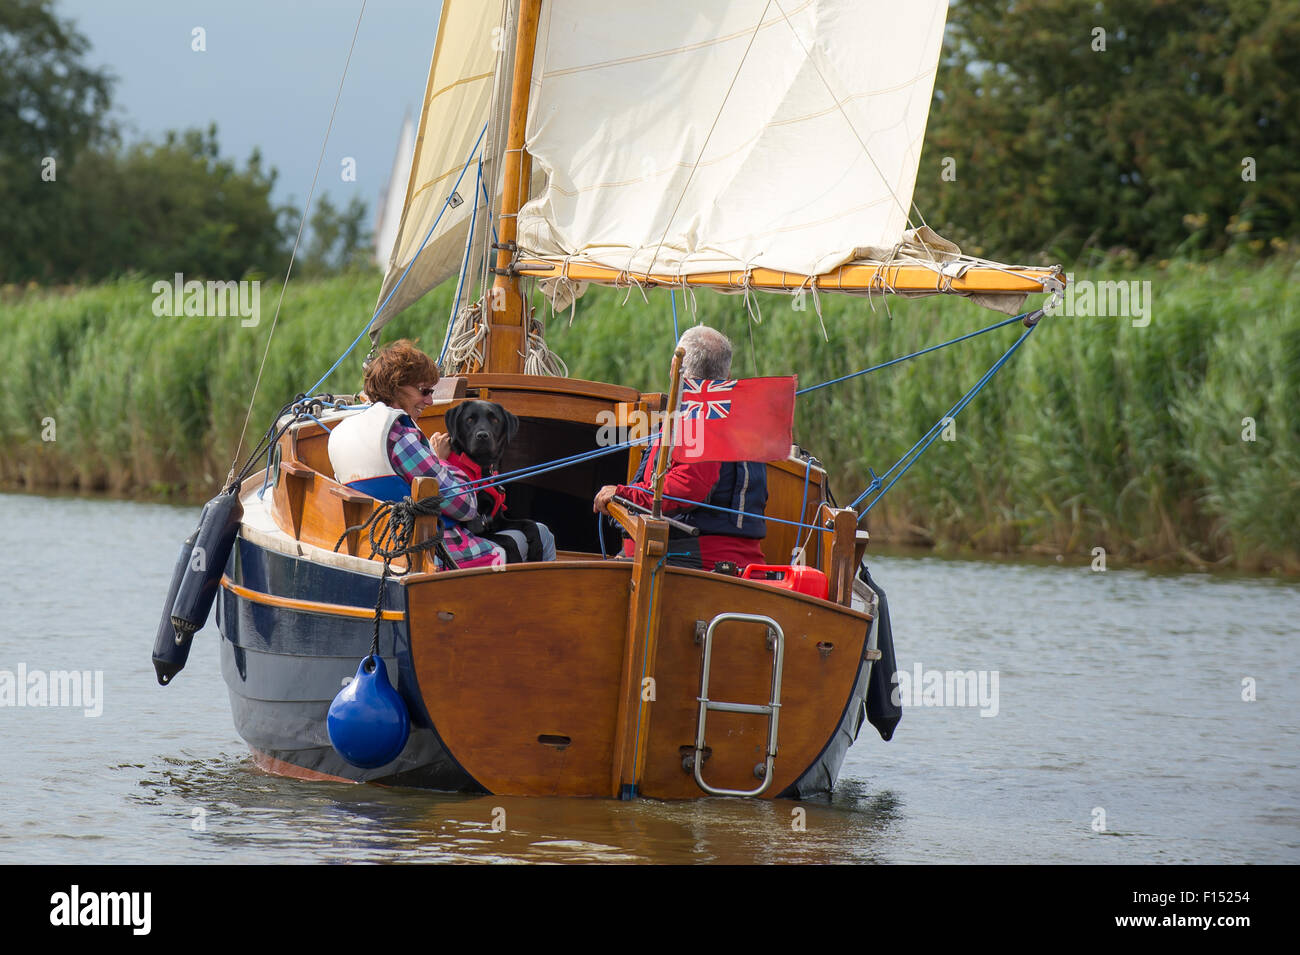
point(739, 486)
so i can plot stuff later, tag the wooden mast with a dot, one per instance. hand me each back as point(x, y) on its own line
point(505, 310)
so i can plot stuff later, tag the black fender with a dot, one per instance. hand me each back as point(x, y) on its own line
point(196, 579)
point(169, 651)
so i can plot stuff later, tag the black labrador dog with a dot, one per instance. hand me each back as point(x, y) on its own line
point(480, 432)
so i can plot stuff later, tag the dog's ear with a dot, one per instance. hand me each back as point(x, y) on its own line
point(512, 424)
point(452, 420)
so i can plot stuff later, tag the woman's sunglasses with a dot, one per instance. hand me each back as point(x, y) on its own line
point(426, 392)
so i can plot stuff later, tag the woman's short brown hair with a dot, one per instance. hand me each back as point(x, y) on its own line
point(400, 363)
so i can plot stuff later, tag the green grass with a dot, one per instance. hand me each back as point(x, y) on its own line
point(1096, 434)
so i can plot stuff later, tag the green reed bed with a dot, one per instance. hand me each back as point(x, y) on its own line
point(1098, 433)
point(142, 403)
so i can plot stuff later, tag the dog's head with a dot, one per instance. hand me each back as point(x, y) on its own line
point(481, 430)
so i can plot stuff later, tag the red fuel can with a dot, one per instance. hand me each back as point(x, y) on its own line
point(803, 580)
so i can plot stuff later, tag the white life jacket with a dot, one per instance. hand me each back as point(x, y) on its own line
point(358, 449)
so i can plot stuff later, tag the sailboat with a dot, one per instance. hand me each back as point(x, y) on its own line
point(756, 146)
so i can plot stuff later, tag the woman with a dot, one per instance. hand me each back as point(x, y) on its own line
point(381, 450)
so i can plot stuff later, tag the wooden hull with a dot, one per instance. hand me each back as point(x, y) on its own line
point(512, 678)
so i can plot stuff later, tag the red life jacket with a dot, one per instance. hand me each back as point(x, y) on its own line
point(465, 463)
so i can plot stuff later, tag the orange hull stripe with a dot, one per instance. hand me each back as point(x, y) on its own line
point(309, 606)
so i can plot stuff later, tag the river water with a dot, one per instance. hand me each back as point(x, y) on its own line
point(1138, 718)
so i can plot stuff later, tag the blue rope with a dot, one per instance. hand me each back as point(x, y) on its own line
point(928, 438)
point(803, 508)
point(558, 463)
point(728, 510)
point(446, 203)
point(460, 285)
point(895, 361)
point(672, 297)
point(543, 467)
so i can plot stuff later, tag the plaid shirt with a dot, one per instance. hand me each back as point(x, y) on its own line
point(411, 456)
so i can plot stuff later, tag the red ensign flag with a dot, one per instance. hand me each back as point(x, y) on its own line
point(738, 420)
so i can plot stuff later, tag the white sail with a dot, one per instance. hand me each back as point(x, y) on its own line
point(473, 49)
point(394, 197)
point(684, 136)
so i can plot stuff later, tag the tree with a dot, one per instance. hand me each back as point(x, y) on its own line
point(161, 208)
point(1119, 123)
point(339, 239)
point(78, 204)
point(52, 107)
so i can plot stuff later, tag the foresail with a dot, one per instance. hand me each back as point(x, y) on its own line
point(684, 138)
point(473, 36)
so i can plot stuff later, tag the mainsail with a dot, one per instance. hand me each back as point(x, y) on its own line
point(718, 137)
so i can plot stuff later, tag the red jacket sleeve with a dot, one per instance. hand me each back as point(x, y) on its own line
point(693, 482)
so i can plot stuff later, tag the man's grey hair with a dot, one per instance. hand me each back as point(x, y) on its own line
point(708, 353)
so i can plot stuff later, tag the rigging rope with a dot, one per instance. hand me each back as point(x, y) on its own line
point(803, 508)
point(928, 438)
point(1029, 318)
point(465, 337)
point(541, 360)
point(730, 510)
point(895, 361)
point(292, 255)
